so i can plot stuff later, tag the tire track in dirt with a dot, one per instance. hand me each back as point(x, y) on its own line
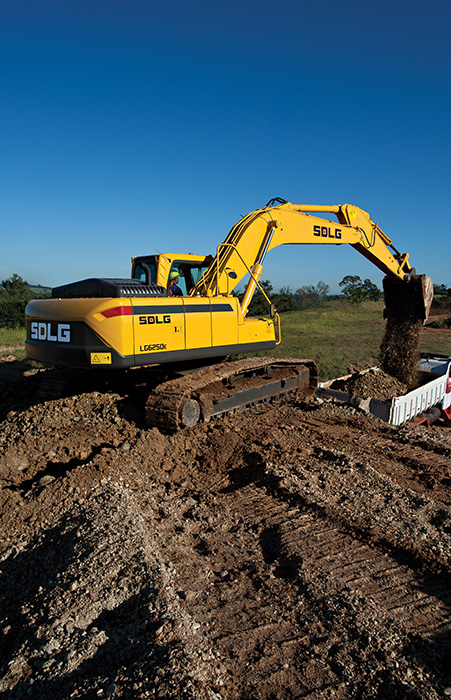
point(350, 562)
point(309, 539)
point(256, 543)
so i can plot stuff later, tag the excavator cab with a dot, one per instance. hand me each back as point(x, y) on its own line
point(156, 269)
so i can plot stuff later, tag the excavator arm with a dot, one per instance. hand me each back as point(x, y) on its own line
point(283, 223)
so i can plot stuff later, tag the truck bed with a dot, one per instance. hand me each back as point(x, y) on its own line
point(400, 409)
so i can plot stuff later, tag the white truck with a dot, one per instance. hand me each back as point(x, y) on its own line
point(423, 405)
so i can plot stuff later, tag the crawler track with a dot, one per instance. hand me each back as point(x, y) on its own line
point(227, 388)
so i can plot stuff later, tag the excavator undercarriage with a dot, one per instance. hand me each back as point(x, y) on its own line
point(175, 399)
point(227, 388)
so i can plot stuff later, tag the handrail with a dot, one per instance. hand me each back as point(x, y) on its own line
point(279, 334)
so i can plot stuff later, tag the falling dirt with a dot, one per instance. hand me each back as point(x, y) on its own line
point(399, 351)
point(407, 304)
point(300, 551)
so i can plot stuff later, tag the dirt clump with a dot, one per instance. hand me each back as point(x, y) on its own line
point(302, 550)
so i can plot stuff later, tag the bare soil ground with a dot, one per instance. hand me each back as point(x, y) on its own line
point(301, 551)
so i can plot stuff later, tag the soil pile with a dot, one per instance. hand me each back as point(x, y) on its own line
point(374, 383)
point(299, 551)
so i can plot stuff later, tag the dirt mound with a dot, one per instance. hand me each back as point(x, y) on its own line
point(374, 383)
point(302, 550)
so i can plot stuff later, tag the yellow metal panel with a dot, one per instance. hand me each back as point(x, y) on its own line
point(255, 330)
point(115, 331)
point(70, 309)
point(164, 265)
point(197, 322)
point(224, 319)
point(158, 325)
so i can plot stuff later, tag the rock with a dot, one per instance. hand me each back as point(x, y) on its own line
point(51, 646)
point(47, 479)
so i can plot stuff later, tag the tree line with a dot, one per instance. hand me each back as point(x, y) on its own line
point(15, 293)
point(353, 289)
point(309, 296)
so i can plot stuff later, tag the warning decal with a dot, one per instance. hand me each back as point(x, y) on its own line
point(101, 358)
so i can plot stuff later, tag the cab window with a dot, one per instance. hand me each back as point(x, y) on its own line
point(179, 280)
point(189, 274)
point(145, 271)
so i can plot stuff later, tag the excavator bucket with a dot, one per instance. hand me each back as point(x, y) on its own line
point(408, 299)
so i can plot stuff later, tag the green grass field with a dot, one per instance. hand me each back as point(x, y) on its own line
point(10, 336)
point(12, 343)
point(339, 334)
point(335, 335)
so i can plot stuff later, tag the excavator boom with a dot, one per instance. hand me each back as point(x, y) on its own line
point(283, 223)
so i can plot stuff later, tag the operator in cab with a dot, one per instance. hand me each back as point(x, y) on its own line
point(174, 289)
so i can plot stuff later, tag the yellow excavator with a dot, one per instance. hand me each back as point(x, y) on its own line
point(178, 315)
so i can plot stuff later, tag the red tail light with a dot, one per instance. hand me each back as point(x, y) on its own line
point(118, 311)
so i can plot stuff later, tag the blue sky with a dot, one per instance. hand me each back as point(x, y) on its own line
point(134, 127)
